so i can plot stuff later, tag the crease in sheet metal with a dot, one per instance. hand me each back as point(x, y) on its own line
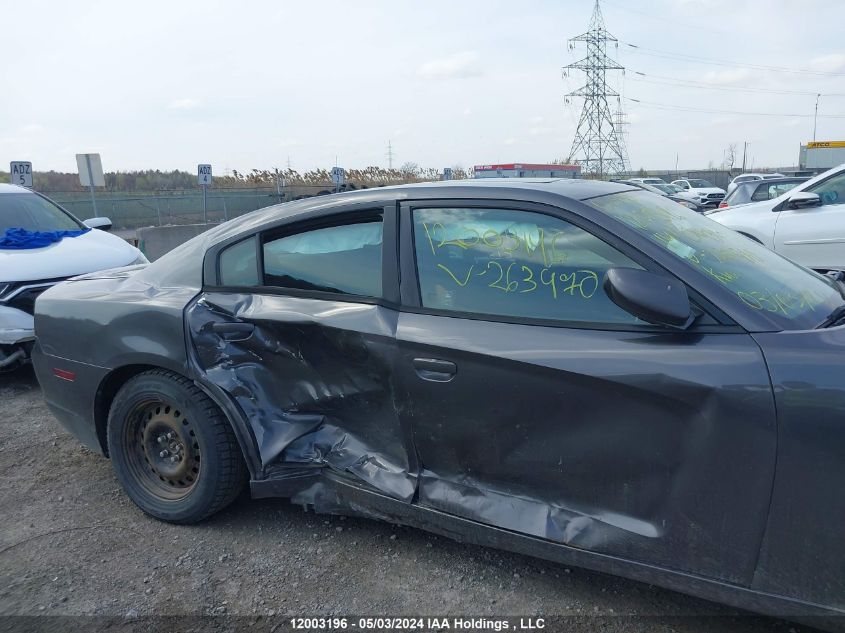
point(314, 380)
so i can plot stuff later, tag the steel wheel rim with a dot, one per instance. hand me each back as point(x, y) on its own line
point(162, 449)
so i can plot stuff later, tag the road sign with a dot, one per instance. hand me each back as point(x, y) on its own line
point(20, 173)
point(447, 173)
point(204, 175)
point(91, 175)
point(338, 175)
point(90, 170)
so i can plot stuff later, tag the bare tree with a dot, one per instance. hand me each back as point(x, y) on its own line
point(410, 168)
point(730, 156)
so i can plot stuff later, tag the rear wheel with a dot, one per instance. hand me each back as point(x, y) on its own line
point(173, 450)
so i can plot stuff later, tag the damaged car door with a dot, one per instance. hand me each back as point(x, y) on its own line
point(541, 407)
point(295, 330)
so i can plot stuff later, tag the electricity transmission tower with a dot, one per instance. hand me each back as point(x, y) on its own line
point(599, 144)
point(619, 123)
point(390, 154)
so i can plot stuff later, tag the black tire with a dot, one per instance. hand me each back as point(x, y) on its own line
point(173, 449)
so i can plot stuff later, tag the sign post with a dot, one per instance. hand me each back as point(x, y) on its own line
point(447, 173)
point(91, 175)
point(204, 180)
point(338, 177)
point(20, 173)
point(280, 184)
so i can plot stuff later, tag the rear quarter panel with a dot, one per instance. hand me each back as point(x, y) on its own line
point(113, 322)
point(90, 327)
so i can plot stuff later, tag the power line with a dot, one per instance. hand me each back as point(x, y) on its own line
point(664, 106)
point(723, 62)
point(691, 83)
point(659, 18)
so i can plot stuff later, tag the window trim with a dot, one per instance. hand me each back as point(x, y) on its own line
point(411, 291)
point(337, 216)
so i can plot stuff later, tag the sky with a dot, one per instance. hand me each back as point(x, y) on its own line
point(260, 84)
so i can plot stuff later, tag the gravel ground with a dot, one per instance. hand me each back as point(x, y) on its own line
point(72, 544)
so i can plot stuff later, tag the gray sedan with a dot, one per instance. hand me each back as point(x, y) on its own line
point(578, 370)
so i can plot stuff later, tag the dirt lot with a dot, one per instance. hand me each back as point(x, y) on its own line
point(72, 544)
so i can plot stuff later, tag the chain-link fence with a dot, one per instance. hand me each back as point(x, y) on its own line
point(133, 209)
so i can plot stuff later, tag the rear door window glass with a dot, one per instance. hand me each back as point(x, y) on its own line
point(339, 259)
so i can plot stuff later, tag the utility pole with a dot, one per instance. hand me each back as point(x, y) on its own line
point(599, 146)
point(389, 155)
point(816, 115)
point(744, 154)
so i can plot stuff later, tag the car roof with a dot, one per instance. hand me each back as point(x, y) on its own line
point(502, 188)
point(4, 188)
point(771, 181)
point(575, 188)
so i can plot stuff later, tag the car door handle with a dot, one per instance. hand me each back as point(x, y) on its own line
point(236, 331)
point(434, 369)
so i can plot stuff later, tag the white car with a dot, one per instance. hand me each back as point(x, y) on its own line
point(805, 224)
point(700, 191)
point(27, 272)
point(648, 181)
point(749, 177)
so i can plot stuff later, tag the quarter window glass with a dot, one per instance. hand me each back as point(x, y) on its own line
point(340, 259)
point(832, 190)
point(238, 266)
point(514, 263)
point(761, 192)
point(739, 195)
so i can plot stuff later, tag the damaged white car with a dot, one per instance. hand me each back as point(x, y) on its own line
point(41, 245)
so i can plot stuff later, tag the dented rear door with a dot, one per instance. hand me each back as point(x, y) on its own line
point(308, 351)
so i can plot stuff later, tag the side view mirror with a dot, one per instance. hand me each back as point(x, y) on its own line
point(103, 224)
point(651, 297)
point(803, 200)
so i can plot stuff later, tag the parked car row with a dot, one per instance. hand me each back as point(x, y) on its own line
point(801, 218)
point(805, 223)
point(700, 190)
point(697, 190)
point(666, 190)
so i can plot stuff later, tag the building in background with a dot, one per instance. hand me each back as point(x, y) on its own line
point(821, 155)
point(527, 170)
